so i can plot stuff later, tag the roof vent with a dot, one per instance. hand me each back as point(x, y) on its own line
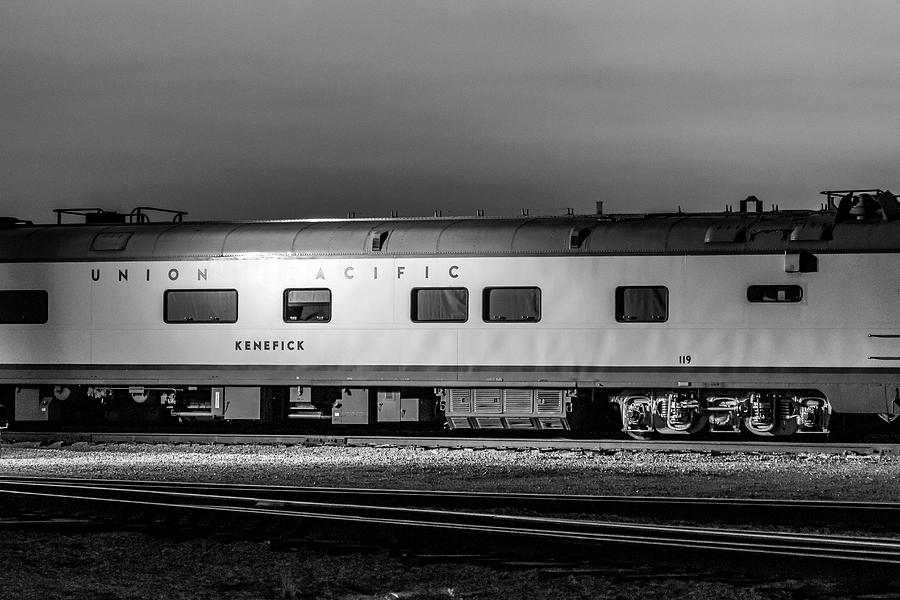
point(379, 239)
point(725, 233)
point(577, 237)
point(111, 241)
point(811, 232)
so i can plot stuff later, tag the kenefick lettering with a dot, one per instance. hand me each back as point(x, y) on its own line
point(268, 345)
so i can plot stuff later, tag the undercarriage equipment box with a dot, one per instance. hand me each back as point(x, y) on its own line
point(394, 409)
point(356, 406)
point(30, 406)
point(241, 403)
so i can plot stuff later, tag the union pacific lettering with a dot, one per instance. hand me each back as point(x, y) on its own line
point(323, 273)
point(268, 345)
point(400, 271)
point(123, 274)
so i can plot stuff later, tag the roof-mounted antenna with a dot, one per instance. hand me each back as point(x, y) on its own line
point(751, 204)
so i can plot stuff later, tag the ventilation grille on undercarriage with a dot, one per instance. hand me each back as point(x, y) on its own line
point(507, 408)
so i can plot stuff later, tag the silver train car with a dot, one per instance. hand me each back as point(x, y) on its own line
point(766, 322)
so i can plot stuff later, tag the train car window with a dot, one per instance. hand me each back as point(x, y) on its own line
point(774, 293)
point(23, 306)
point(642, 304)
point(511, 304)
point(307, 305)
point(431, 305)
point(200, 306)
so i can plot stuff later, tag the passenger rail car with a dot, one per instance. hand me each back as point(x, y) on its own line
point(747, 320)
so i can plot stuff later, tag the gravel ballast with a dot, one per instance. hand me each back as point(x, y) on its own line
point(763, 475)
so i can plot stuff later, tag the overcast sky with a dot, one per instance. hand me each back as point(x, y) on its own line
point(265, 109)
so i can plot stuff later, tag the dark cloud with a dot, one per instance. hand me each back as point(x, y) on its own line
point(287, 109)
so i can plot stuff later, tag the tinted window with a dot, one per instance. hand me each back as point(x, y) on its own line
point(440, 304)
point(307, 305)
point(23, 306)
point(200, 306)
point(512, 304)
point(774, 293)
point(642, 304)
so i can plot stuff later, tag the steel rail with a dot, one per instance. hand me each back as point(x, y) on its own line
point(594, 534)
point(887, 514)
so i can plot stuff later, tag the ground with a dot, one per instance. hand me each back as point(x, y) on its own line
point(134, 565)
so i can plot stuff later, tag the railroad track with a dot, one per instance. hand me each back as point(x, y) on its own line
point(891, 446)
point(384, 515)
point(835, 513)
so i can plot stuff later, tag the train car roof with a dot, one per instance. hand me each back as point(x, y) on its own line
point(676, 233)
